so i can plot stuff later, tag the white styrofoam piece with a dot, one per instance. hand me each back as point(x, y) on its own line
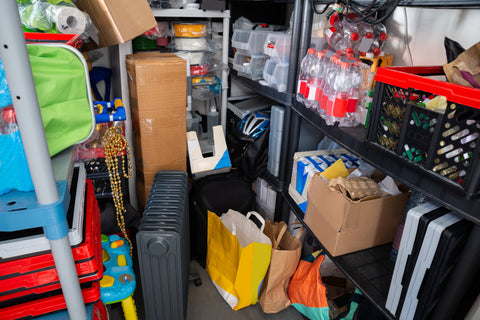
point(217, 163)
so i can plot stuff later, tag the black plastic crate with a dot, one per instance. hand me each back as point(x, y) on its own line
point(97, 171)
point(441, 142)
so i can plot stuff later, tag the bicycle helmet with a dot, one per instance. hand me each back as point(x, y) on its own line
point(254, 124)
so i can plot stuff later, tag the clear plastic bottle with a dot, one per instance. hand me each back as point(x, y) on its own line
point(327, 81)
point(9, 120)
point(380, 37)
point(303, 76)
point(338, 96)
point(333, 36)
point(366, 37)
point(314, 81)
point(354, 95)
point(350, 31)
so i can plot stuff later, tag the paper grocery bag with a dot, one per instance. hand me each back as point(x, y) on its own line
point(286, 252)
point(465, 69)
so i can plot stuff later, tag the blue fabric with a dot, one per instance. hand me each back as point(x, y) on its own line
point(5, 98)
point(14, 172)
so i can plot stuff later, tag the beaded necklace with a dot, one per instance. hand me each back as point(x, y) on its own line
point(114, 144)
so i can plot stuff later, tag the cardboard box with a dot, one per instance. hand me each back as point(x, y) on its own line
point(201, 166)
point(158, 85)
point(344, 226)
point(118, 21)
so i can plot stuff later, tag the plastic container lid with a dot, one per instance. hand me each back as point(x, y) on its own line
point(383, 36)
point(311, 51)
point(354, 36)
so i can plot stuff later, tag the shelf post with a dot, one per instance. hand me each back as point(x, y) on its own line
point(14, 54)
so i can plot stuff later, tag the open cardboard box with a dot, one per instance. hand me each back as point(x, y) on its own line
point(344, 226)
point(118, 21)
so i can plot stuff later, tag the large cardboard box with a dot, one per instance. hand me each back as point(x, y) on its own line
point(158, 85)
point(344, 226)
point(118, 21)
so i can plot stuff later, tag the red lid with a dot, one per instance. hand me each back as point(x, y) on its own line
point(383, 36)
point(369, 35)
point(377, 51)
point(8, 115)
point(349, 51)
point(344, 64)
point(311, 51)
point(354, 36)
point(334, 18)
point(319, 54)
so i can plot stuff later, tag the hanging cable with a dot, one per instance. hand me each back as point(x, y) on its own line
point(363, 12)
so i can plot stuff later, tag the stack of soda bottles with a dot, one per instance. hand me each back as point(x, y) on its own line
point(335, 83)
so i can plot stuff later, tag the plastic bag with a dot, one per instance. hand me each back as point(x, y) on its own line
point(238, 256)
point(54, 16)
point(307, 292)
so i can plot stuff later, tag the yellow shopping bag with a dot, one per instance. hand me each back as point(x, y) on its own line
point(238, 256)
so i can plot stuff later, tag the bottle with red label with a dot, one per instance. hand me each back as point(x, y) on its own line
point(304, 73)
point(354, 95)
point(327, 82)
point(313, 85)
point(338, 96)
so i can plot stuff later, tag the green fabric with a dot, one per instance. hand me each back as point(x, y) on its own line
point(312, 313)
point(60, 82)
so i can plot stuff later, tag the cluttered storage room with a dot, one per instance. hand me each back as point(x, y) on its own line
point(239, 159)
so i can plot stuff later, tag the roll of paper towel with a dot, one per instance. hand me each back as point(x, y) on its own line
point(70, 20)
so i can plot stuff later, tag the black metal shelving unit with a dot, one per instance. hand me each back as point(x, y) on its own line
point(371, 269)
point(353, 139)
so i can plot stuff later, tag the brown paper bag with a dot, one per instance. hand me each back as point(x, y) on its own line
point(286, 252)
point(465, 70)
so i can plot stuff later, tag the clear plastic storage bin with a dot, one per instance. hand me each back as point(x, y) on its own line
point(275, 73)
point(249, 66)
point(277, 46)
point(249, 42)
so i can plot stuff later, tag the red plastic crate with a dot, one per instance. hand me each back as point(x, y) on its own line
point(37, 274)
point(442, 143)
point(48, 304)
point(73, 40)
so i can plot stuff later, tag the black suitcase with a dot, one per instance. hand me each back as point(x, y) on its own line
point(216, 193)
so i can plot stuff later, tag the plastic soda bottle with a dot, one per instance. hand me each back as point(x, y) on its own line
point(314, 82)
point(303, 76)
point(338, 97)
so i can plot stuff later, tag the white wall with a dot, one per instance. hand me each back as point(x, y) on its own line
point(424, 31)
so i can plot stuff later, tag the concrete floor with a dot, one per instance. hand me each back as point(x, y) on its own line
point(205, 303)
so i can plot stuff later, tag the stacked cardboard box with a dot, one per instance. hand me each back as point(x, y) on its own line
point(157, 84)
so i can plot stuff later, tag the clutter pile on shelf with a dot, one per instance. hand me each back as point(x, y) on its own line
point(261, 52)
point(336, 81)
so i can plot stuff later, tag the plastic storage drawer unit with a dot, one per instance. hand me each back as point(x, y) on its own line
point(276, 73)
point(249, 66)
point(428, 123)
point(249, 42)
point(277, 46)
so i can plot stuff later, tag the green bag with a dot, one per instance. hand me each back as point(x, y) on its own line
point(63, 89)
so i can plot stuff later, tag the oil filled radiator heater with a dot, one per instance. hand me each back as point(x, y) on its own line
point(163, 247)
